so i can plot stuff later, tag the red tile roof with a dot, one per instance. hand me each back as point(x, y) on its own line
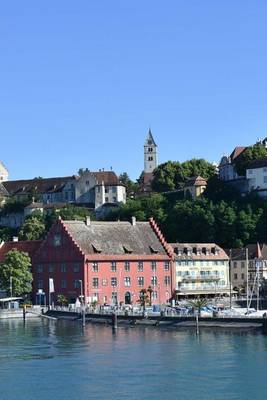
point(28, 246)
point(237, 152)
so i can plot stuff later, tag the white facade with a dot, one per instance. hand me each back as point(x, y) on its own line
point(257, 180)
point(150, 154)
point(3, 173)
point(109, 194)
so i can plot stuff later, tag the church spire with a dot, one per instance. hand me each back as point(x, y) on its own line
point(150, 153)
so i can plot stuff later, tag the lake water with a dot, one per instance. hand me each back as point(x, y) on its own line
point(61, 360)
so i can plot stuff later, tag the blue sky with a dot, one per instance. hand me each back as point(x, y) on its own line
point(81, 81)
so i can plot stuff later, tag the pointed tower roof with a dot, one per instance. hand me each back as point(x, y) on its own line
point(150, 140)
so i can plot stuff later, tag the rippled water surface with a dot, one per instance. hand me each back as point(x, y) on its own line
point(61, 360)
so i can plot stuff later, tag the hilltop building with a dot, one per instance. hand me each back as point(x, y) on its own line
point(93, 189)
point(3, 173)
point(150, 162)
point(194, 187)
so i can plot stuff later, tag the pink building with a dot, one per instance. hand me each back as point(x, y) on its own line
point(106, 261)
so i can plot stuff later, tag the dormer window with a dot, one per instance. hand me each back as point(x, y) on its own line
point(127, 249)
point(153, 250)
point(96, 248)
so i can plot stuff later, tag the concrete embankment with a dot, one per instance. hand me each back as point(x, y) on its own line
point(175, 321)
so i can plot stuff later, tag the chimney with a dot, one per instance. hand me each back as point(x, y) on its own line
point(88, 221)
point(133, 221)
point(15, 239)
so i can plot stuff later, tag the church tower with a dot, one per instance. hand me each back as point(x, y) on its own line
point(150, 154)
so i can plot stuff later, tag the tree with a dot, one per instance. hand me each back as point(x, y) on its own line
point(198, 304)
point(16, 266)
point(131, 187)
point(173, 175)
point(61, 299)
point(150, 291)
point(32, 229)
point(251, 153)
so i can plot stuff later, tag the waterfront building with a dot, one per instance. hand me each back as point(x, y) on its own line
point(200, 269)
point(109, 262)
point(240, 270)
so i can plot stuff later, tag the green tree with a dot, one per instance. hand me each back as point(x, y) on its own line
point(198, 303)
point(17, 266)
point(251, 153)
point(131, 187)
point(32, 229)
point(62, 300)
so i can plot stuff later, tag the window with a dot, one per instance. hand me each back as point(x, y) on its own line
point(167, 280)
point(154, 266)
point(242, 264)
point(95, 266)
point(154, 295)
point(114, 199)
point(235, 264)
point(39, 268)
point(166, 265)
point(95, 282)
point(265, 179)
point(235, 277)
point(63, 284)
point(104, 282)
point(242, 276)
point(140, 266)
point(40, 284)
point(113, 282)
point(106, 199)
point(250, 172)
point(113, 266)
point(127, 266)
point(51, 268)
point(127, 281)
point(106, 190)
point(76, 284)
point(63, 268)
point(113, 189)
point(141, 281)
point(76, 268)
point(154, 280)
point(57, 240)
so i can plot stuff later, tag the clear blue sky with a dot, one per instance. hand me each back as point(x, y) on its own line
point(81, 81)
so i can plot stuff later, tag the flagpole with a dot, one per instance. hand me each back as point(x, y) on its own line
point(247, 277)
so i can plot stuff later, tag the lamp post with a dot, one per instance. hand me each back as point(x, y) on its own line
point(10, 285)
point(82, 302)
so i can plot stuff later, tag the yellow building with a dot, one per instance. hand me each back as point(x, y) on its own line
point(194, 187)
point(200, 269)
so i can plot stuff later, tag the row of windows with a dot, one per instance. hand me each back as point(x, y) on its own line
point(236, 276)
point(63, 268)
point(201, 262)
point(76, 267)
point(199, 273)
point(127, 266)
point(113, 282)
point(127, 281)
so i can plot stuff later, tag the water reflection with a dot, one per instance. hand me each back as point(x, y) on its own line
point(62, 360)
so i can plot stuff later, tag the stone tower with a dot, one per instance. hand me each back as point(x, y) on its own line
point(150, 154)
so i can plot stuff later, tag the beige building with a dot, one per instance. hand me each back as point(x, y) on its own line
point(3, 173)
point(239, 268)
point(194, 187)
point(201, 269)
